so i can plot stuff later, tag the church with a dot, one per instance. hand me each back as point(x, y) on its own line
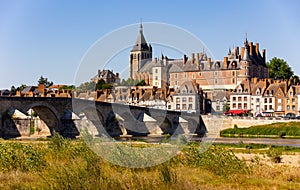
point(240, 64)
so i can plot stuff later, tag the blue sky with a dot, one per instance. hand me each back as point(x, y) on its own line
point(50, 38)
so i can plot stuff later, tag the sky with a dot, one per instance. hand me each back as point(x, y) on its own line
point(51, 38)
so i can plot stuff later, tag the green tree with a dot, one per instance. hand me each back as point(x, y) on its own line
point(13, 89)
point(45, 81)
point(21, 87)
point(279, 69)
point(131, 82)
point(71, 87)
point(100, 84)
point(296, 79)
point(141, 83)
point(107, 86)
point(87, 86)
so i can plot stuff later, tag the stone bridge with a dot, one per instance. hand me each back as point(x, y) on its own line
point(68, 116)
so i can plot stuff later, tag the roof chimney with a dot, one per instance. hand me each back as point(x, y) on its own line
point(225, 62)
point(251, 48)
point(197, 59)
point(243, 50)
point(192, 58)
point(257, 48)
point(208, 63)
point(184, 59)
point(264, 54)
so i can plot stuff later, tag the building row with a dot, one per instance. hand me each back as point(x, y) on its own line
point(267, 97)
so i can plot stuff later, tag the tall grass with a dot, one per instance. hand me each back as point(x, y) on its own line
point(66, 164)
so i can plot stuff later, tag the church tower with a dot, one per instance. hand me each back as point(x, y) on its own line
point(141, 53)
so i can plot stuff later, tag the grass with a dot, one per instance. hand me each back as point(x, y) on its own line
point(65, 164)
point(280, 130)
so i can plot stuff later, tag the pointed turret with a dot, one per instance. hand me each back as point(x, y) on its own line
point(246, 56)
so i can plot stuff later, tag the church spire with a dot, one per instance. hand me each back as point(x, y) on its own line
point(141, 26)
point(140, 43)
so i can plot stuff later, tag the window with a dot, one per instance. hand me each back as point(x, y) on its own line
point(190, 106)
point(176, 83)
point(184, 99)
point(234, 105)
point(293, 100)
point(176, 76)
point(234, 99)
point(279, 108)
point(245, 99)
point(240, 106)
point(184, 106)
point(216, 73)
point(257, 108)
point(156, 70)
point(156, 77)
point(293, 107)
point(178, 106)
point(177, 99)
point(218, 101)
point(239, 99)
point(288, 107)
point(190, 99)
point(245, 106)
point(288, 101)
point(169, 107)
point(257, 100)
point(266, 100)
point(266, 107)
point(233, 80)
point(216, 81)
point(291, 93)
point(233, 73)
point(200, 74)
point(184, 75)
point(218, 108)
point(270, 107)
point(193, 76)
point(279, 101)
point(270, 100)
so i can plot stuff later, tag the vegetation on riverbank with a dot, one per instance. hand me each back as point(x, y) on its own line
point(65, 164)
point(281, 130)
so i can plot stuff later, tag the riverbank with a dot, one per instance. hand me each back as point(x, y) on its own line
point(279, 130)
point(69, 164)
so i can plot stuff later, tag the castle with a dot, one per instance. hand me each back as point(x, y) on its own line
point(240, 64)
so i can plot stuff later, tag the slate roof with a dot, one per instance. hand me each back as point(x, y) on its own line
point(140, 43)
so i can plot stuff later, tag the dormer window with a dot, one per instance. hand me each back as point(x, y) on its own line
point(291, 93)
point(258, 92)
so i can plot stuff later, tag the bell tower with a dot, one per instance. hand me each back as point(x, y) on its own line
point(141, 53)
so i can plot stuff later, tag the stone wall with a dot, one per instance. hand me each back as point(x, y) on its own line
point(215, 124)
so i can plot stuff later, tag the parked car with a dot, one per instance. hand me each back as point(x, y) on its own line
point(298, 117)
point(290, 116)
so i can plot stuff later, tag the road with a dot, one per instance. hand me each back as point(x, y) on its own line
point(278, 142)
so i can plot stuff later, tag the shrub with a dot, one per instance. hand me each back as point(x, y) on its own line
point(282, 134)
point(16, 156)
point(274, 154)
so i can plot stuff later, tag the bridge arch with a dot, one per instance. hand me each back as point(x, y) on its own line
point(47, 114)
point(165, 124)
